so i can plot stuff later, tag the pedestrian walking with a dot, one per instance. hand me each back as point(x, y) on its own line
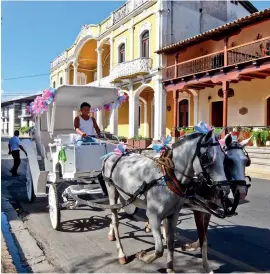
point(14, 146)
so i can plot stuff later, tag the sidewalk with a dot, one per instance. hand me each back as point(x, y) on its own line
point(7, 265)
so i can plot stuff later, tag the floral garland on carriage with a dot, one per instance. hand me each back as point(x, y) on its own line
point(41, 103)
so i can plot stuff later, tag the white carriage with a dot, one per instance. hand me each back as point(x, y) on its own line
point(46, 173)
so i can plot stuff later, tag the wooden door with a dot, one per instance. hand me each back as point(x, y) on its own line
point(217, 114)
point(183, 113)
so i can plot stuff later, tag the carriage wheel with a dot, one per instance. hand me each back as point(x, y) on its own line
point(29, 185)
point(54, 208)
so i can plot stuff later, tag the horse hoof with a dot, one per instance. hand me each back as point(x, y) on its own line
point(111, 237)
point(211, 272)
point(147, 230)
point(187, 247)
point(169, 270)
point(123, 260)
point(139, 255)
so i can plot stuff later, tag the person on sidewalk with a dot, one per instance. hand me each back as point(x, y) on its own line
point(14, 146)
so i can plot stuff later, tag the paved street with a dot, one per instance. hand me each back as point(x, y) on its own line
point(237, 244)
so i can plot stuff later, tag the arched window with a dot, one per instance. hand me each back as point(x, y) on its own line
point(61, 81)
point(53, 84)
point(145, 44)
point(122, 53)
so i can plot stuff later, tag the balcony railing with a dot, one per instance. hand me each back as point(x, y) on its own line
point(127, 8)
point(62, 57)
point(235, 56)
point(131, 68)
point(103, 82)
point(23, 113)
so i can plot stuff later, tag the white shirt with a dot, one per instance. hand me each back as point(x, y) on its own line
point(14, 143)
point(87, 126)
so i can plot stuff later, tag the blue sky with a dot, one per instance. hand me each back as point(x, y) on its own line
point(34, 33)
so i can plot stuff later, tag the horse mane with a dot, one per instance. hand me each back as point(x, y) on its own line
point(188, 137)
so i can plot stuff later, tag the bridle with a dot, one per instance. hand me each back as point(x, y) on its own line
point(236, 145)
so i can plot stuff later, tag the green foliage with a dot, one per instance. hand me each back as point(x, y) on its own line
point(261, 136)
point(24, 130)
point(140, 137)
point(218, 130)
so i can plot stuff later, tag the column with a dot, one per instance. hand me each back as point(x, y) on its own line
point(75, 74)
point(100, 119)
point(175, 112)
point(136, 103)
point(11, 116)
point(111, 54)
point(131, 115)
point(114, 122)
point(225, 87)
point(196, 108)
point(160, 110)
point(66, 75)
point(131, 31)
point(99, 63)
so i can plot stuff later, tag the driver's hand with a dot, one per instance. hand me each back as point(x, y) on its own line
point(84, 135)
point(9, 152)
point(25, 154)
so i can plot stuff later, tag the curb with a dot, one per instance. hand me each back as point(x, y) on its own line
point(31, 255)
point(7, 265)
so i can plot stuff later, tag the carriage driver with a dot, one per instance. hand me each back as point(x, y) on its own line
point(84, 124)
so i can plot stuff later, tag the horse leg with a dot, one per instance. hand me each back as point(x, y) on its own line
point(202, 220)
point(159, 249)
point(113, 197)
point(170, 224)
point(195, 245)
point(148, 229)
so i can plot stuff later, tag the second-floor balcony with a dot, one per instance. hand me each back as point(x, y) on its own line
point(127, 8)
point(235, 56)
point(24, 114)
point(131, 69)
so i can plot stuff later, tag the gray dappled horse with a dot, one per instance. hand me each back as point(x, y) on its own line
point(235, 163)
point(195, 154)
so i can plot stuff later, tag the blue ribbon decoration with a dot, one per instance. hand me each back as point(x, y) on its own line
point(201, 127)
point(159, 147)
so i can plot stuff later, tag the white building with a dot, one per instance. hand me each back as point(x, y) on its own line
point(14, 115)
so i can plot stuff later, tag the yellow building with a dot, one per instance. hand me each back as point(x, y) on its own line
point(120, 52)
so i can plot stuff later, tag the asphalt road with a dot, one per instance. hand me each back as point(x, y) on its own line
point(237, 244)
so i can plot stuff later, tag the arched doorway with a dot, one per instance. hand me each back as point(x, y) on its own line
point(183, 113)
point(268, 111)
point(143, 112)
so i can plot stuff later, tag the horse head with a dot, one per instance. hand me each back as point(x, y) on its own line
point(200, 155)
point(235, 163)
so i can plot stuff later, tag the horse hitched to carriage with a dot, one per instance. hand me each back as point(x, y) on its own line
point(196, 172)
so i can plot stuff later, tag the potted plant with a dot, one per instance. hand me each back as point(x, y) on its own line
point(189, 130)
point(122, 139)
point(236, 131)
point(260, 137)
point(145, 142)
point(181, 130)
point(246, 133)
point(130, 142)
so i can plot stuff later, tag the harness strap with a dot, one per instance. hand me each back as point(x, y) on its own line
point(144, 187)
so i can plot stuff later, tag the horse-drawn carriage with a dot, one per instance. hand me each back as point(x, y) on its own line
point(58, 162)
point(63, 167)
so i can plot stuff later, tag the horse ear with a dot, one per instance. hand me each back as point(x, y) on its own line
point(228, 140)
point(210, 134)
point(245, 142)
